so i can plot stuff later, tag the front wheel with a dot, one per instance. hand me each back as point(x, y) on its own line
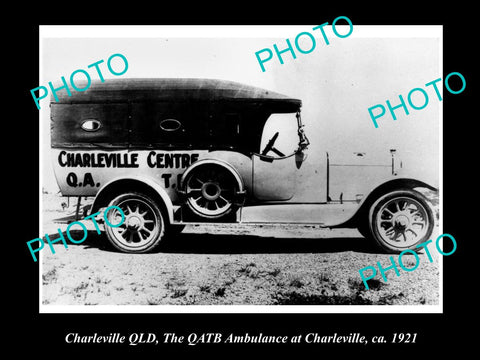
point(400, 220)
point(143, 227)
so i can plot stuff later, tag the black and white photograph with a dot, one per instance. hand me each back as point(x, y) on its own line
point(190, 182)
point(227, 168)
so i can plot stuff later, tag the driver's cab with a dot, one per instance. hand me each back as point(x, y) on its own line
point(283, 153)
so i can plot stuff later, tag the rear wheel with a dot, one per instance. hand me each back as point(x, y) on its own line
point(143, 227)
point(400, 220)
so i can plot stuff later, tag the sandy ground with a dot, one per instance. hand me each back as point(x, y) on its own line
point(225, 265)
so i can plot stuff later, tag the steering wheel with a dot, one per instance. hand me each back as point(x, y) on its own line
point(269, 147)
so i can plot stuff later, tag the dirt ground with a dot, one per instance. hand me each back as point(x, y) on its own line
point(230, 265)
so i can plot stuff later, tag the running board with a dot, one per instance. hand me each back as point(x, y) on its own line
point(325, 215)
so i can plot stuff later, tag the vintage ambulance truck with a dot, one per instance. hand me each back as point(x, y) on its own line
point(171, 152)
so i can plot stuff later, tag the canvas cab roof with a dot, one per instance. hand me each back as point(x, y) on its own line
point(174, 89)
point(165, 113)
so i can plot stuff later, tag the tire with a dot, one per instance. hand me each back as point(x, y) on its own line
point(143, 227)
point(400, 220)
point(210, 191)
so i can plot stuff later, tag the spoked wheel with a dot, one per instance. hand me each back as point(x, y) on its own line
point(401, 220)
point(210, 190)
point(143, 227)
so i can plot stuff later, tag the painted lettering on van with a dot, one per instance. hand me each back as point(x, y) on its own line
point(154, 160)
point(113, 160)
point(126, 160)
point(169, 160)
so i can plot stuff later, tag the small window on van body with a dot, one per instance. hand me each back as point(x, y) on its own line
point(170, 125)
point(91, 125)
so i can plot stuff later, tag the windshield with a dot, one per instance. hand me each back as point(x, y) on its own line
point(283, 135)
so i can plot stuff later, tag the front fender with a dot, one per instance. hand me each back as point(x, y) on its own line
point(352, 215)
point(421, 176)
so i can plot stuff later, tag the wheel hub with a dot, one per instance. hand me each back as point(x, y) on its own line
point(211, 190)
point(401, 222)
point(134, 223)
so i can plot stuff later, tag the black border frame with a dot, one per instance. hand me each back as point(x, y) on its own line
point(436, 332)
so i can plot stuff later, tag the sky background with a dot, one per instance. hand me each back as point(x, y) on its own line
point(336, 83)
